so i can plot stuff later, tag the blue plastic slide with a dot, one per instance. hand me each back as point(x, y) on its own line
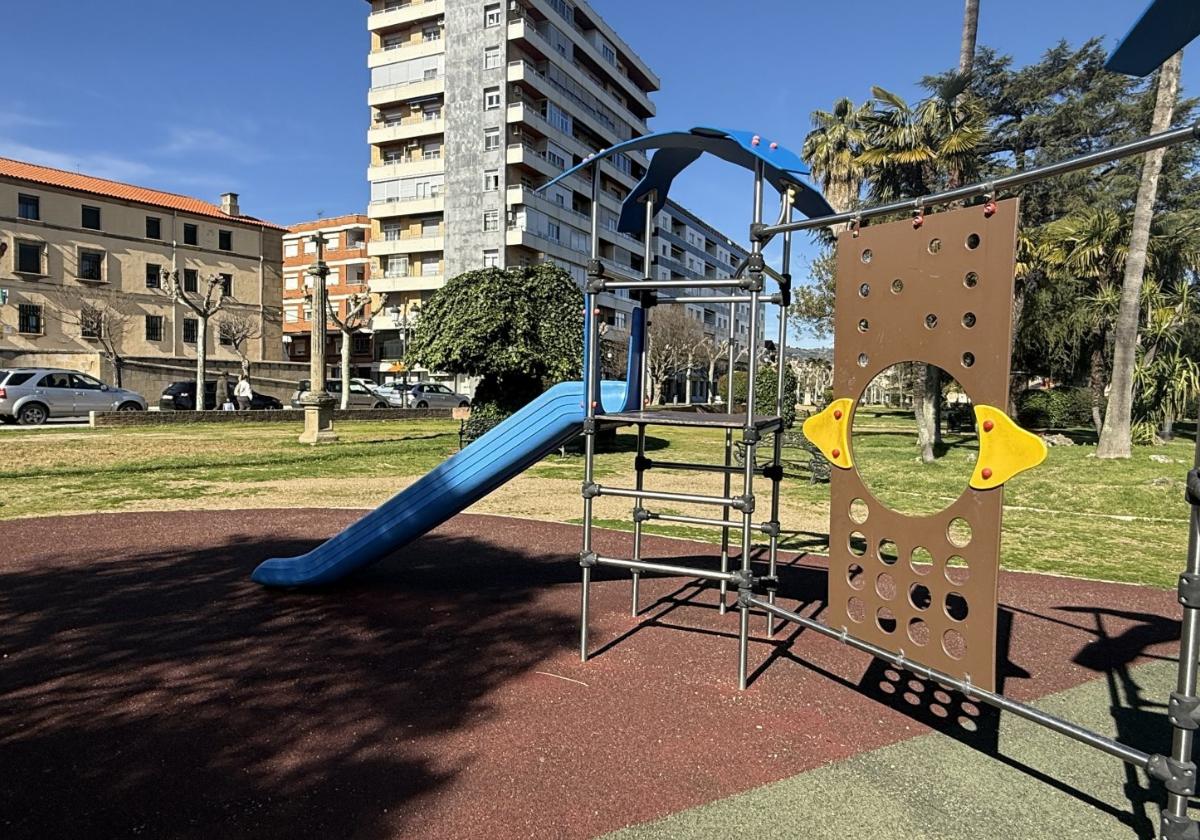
point(510, 448)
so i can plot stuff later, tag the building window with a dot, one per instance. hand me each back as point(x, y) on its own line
point(553, 232)
point(491, 15)
point(291, 281)
point(607, 53)
point(153, 227)
point(396, 266)
point(191, 235)
point(225, 240)
point(91, 265)
point(191, 280)
point(491, 58)
point(225, 338)
point(491, 139)
point(432, 113)
point(191, 329)
point(491, 220)
point(361, 345)
point(291, 314)
point(491, 258)
point(154, 328)
point(227, 284)
point(29, 257)
point(90, 217)
point(431, 34)
point(91, 321)
point(29, 319)
point(491, 180)
point(291, 249)
point(491, 98)
point(29, 207)
point(331, 242)
point(153, 276)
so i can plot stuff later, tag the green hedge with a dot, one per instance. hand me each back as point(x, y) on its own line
point(1057, 408)
point(764, 392)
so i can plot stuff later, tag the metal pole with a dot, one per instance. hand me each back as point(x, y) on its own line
point(318, 403)
point(1065, 727)
point(780, 365)
point(591, 317)
point(750, 440)
point(1182, 738)
point(664, 568)
point(639, 464)
point(727, 486)
point(1161, 140)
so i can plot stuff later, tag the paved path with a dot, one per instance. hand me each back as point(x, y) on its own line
point(148, 688)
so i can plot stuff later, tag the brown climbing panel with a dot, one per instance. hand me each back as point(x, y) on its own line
point(940, 293)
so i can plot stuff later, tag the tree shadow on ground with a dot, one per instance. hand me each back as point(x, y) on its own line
point(164, 694)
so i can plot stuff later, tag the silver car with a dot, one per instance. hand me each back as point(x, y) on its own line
point(360, 397)
point(31, 396)
point(431, 395)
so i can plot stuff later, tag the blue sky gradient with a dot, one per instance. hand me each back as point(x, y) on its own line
point(268, 98)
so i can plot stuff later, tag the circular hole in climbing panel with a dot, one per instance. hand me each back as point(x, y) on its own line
point(855, 576)
point(972, 241)
point(857, 543)
point(891, 455)
point(885, 619)
point(856, 608)
point(971, 280)
point(866, 255)
point(935, 245)
point(918, 631)
point(887, 552)
point(897, 286)
point(885, 586)
point(956, 606)
point(919, 596)
point(954, 644)
point(958, 532)
point(859, 511)
point(921, 560)
point(957, 571)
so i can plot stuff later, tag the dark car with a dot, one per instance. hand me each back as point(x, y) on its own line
point(180, 396)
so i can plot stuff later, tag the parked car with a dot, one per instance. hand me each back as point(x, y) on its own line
point(360, 396)
point(180, 396)
point(30, 396)
point(373, 387)
point(430, 395)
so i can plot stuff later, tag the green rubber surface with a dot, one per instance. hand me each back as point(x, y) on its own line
point(1033, 784)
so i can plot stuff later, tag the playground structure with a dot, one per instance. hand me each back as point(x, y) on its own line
point(933, 288)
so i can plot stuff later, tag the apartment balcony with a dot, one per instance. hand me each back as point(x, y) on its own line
point(422, 89)
point(407, 283)
point(402, 13)
point(519, 154)
point(405, 169)
point(405, 245)
point(404, 207)
point(405, 131)
point(404, 52)
point(523, 30)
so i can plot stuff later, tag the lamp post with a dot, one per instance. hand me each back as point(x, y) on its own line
point(317, 402)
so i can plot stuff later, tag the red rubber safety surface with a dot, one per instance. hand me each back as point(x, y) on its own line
point(148, 688)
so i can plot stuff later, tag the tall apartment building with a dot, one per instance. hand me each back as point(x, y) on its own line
point(477, 103)
point(70, 241)
point(345, 239)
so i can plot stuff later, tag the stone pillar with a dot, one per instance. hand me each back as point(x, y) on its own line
point(318, 403)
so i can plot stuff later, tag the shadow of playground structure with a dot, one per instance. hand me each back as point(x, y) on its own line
point(163, 694)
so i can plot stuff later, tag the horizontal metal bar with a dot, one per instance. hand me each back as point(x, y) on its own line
point(1062, 726)
point(684, 465)
point(695, 520)
point(706, 283)
point(666, 497)
point(1161, 140)
point(664, 568)
point(719, 299)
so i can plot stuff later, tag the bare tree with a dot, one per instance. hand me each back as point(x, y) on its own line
point(238, 329)
point(354, 320)
point(1115, 435)
point(100, 316)
point(204, 306)
point(712, 351)
point(673, 337)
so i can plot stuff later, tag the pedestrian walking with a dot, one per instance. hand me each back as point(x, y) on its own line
point(244, 393)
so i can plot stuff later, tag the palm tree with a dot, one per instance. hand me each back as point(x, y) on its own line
point(1115, 438)
point(833, 148)
point(966, 50)
point(911, 152)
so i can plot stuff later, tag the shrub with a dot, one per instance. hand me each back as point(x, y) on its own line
point(1056, 408)
point(764, 392)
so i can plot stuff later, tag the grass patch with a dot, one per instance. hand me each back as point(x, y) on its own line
point(1074, 515)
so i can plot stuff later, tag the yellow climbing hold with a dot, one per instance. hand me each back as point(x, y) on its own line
point(830, 432)
point(1005, 449)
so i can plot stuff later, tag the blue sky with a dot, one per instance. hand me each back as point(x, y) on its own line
point(268, 97)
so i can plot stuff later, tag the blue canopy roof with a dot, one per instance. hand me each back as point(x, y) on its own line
point(676, 150)
point(1166, 27)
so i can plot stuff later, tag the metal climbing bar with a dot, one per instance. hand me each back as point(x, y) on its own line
point(1103, 743)
point(666, 569)
point(635, 493)
point(1172, 137)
